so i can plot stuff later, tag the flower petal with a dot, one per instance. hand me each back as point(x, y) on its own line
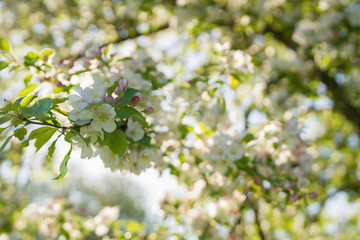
point(109, 125)
point(97, 125)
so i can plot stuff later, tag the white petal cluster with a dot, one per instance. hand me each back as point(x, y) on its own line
point(82, 100)
point(103, 118)
point(134, 130)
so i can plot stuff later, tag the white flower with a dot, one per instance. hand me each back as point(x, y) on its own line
point(81, 101)
point(86, 150)
point(103, 118)
point(92, 95)
point(135, 130)
point(92, 133)
point(235, 151)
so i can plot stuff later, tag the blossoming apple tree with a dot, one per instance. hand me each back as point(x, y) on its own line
point(225, 97)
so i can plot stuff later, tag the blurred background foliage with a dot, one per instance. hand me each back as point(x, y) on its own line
point(307, 54)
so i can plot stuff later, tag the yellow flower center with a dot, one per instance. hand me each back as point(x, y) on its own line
point(103, 116)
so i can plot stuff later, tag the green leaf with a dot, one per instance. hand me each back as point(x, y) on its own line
point(140, 119)
point(4, 44)
point(4, 144)
point(27, 79)
point(3, 65)
point(20, 133)
point(145, 141)
point(52, 149)
point(107, 49)
point(42, 136)
point(17, 122)
point(25, 143)
point(59, 100)
point(2, 129)
point(126, 112)
point(111, 89)
point(27, 100)
point(174, 170)
point(128, 95)
point(68, 136)
point(63, 166)
point(31, 58)
point(117, 142)
point(5, 119)
point(12, 107)
point(28, 90)
point(248, 138)
point(38, 109)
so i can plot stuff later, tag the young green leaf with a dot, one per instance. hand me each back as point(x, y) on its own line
point(42, 136)
point(3, 65)
point(118, 142)
point(27, 100)
point(20, 133)
point(126, 112)
point(31, 58)
point(38, 109)
point(63, 166)
point(128, 95)
point(4, 144)
point(28, 90)
point(4, 44)
point(25, 143)
point(5, 119)
point(16, 122)
point(13, 106)
point(52, 149)
point(27, 79)
point(2, 129)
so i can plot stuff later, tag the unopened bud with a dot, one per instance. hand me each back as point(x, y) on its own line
point(149, 110)
point(59, 84)
point(45, 58)
point(46, 79)
point(117, 100)
point(123, 85)
point(109, 99)
point(136, 99)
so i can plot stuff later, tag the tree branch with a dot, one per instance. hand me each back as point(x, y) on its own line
point(43, 123)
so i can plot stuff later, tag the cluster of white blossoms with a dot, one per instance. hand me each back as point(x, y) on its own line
point(94, 109)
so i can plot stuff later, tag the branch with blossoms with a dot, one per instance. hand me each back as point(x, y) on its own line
point(103, 114)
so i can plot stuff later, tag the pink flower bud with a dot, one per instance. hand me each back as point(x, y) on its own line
point(136, 99)
point(96, 52)
point(123, 85)
point(109, 99)
point(293, 197)
point(59, 84)
point(47, 79)
point(149, 110)
point(117, 100)
point(313, 195)
point(191, 82)
point(45, 58)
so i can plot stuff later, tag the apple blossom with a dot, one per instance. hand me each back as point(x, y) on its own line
point(103, 118)
point(134, 130)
